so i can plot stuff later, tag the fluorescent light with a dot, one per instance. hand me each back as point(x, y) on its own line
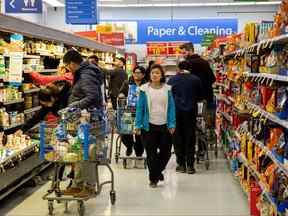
point(110, 0)
point(54, 3)
point(212, 4)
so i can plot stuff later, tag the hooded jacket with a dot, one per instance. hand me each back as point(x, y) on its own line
point(86, 92)
point(201, 68)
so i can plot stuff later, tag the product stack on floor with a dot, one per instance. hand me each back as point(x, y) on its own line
point(252, 112)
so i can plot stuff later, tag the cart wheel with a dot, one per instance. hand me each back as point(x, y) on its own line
point(125, 163)
point(50, 207)
point(81, 208)
point(207, 165)
point(112, 197)
point(66, 207)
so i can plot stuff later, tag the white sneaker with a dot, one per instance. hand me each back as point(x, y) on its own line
point(139, 164)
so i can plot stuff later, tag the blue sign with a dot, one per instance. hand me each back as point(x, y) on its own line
point(184, 30)
point(23, 6)
point(81, 12)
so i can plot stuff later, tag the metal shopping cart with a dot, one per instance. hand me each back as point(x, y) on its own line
point(79, 136)
point(203, 135)
point(125, 119)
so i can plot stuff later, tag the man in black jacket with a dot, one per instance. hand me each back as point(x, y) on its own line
point(201, 68)
point(117, 77)
point(86, 93)
point(187, 90)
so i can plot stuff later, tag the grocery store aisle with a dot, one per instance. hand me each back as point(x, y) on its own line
point(208, 193)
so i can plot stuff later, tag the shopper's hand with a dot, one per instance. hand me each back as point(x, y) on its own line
point(19, 133)
point(171, 131)
point(138, 131)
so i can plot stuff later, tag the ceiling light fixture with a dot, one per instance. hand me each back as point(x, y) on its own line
point(193, 4)
point(54, 3)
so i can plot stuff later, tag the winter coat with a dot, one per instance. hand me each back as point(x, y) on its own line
point(86, 92)
point(201, 68)
point(187, 91)
point(117, 77)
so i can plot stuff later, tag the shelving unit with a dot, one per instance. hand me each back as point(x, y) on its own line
point(23, 165)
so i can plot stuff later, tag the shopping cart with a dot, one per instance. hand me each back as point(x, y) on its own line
point(202, 135)
point(125, 120)
point(77, 137)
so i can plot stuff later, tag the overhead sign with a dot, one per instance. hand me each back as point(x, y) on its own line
point(81, 12)
point(112, 38)
point(164, 48)
point(23, 6)
point(184, 30)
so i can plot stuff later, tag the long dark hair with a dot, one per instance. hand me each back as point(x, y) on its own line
point(54, 90)
point(159, 67)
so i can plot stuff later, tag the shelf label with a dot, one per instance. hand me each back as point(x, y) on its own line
point(81, 12)
point(15, 67)
point(23, 6)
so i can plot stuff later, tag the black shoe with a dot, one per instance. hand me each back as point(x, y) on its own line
point(153, 184)
point(161, 177)
point(129, 151)
point(181, 169)
point(191, 170)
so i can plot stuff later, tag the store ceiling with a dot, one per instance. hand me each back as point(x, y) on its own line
point(165, 3)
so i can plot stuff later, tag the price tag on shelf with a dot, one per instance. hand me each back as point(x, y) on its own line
point(15, 68)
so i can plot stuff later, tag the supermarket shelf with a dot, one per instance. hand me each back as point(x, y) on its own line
point(31, 56)
point(268, 115)
point(268, 152)
point(34, 109)
point(257, 176)
point(223, 98)
point(227, 117)
point(12, 126)
point(259, 46)
point(21, 173)
point(33, 90)
point(16, 156)
point(275, 77)
point(48, 71)
point(16, 25)
point(231, 99)
point(13, 102)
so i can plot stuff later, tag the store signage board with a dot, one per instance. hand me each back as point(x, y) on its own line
point(184, 30)
point(23, 6)
point(164, 48)
point(81, 12)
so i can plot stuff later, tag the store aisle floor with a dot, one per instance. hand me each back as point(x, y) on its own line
point(208, 193)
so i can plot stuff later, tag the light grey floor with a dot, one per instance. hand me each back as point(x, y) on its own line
point(208, 193)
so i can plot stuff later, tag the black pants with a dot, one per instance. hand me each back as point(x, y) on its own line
point(128, 141)
point(114, 102)
point(185, 139)
point(158, 144)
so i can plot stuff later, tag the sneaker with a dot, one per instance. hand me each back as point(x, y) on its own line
point(139, 164)
point(181, 169)
point(153, 184)
point(86, 192)
point(129, 152)
point(191, 170)
point(70, 191)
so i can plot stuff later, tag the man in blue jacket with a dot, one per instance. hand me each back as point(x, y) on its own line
point(86, 93)
point(187, 91)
